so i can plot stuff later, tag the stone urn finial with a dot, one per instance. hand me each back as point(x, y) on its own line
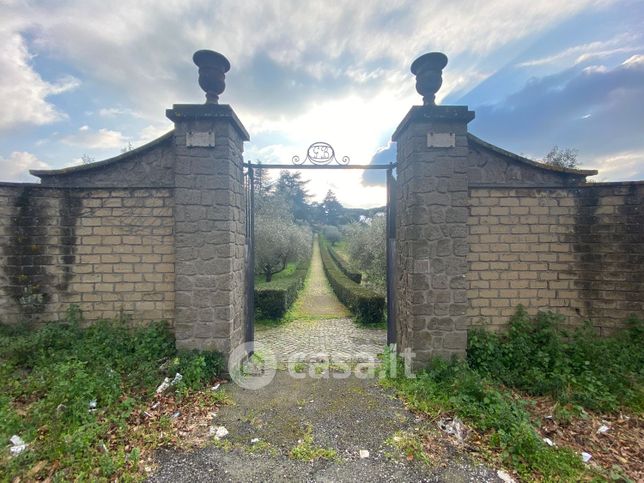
point(212, 73)
point(428, 69)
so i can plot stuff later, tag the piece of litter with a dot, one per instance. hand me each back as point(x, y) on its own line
point(602, 429)
point(92, 406)
point(454, 427)
point(585, 457)
point(164, 385)
point(18, 445)
point(364, 453)
point(549, 416)
point(254, 440)
point(218, 432)
point(177, 379)
point(548, 441)
point(155, 405)
point(176, 415)
point(215, 387)
point(505, 476)
point(147, 414)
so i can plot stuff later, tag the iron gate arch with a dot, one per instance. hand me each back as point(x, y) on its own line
point(320, 155)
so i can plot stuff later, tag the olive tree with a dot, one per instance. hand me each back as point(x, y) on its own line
point(366, 247)
point(278, 239)
point(332, 234)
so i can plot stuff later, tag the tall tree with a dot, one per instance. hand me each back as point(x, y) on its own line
point(262, 182)
point(332, 209)
point(292, 188)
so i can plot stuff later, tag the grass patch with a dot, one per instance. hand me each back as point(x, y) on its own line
point(307, 451)
point(49, 376)
point(491, 390)
point(496, 413)
point(410, 445)
point(260, 279)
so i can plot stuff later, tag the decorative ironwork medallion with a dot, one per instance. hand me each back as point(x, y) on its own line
point(321, 153)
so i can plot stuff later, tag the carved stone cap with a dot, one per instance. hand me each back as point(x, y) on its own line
point(428, 69)
point(433, 114)
point(212, 73)
point(182, 113)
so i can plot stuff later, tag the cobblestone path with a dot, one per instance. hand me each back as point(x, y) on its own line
point(323, 327)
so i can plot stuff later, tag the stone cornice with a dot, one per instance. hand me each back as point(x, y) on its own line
point(197, 112)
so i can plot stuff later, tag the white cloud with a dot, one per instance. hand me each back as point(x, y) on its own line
point(626, 165)
point(354, 126)
point(634, 61)
point(110, 112)
point(96, 139)
point(23, 93)
point(620, 44)
point(361, 49)
point(145, 52)
point(16, 167)
point(152, 132)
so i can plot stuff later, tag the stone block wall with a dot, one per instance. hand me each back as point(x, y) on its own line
point(109, 251)
point(578, 251)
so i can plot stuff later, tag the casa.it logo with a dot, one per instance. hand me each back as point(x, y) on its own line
point(252, 365)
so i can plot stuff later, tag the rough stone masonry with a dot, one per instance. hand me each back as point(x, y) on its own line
point(159, 232)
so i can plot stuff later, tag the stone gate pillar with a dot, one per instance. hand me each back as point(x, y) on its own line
point(431, 228)
point(209, 216)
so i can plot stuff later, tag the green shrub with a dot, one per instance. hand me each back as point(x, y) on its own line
point(197, 367)
point(538, 356)
point(274, 298)
point(367, 306)
point(49, 376)
point(352, 274)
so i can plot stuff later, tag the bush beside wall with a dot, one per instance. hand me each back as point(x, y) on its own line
point(275, 298)
point(344, 267)
point(365, 304)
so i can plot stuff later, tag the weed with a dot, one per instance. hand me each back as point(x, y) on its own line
point(49, 375)
point(455, 388)
point(220, 398)
point(307, 451)
point(539, 357)
point(410, 445)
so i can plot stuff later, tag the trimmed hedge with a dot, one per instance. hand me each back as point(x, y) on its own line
point(344, 267)
point(365, 304)
point(275, 298)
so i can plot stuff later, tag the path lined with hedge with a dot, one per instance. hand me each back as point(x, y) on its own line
point(323, 325)
point(317, 299)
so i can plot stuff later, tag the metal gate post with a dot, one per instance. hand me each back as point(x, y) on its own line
point(250, 257)
point(391, 265)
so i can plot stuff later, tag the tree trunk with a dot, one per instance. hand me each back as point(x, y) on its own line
point(268, 273)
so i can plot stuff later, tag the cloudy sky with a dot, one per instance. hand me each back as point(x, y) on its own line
point(89, 77)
